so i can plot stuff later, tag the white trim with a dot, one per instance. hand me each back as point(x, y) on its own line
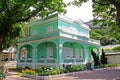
point(55, 38)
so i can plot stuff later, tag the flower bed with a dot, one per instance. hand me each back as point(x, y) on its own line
point(48, 73)
point(45, 73)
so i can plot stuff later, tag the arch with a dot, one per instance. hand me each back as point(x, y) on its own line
point(51, 41)
point(25, 52)
point(91, 49)
point(46, 50)
point(73, 50)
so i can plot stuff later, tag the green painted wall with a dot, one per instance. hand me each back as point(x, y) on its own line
point(43, 27)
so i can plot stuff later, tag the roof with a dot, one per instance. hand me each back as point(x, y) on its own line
point(57, 17)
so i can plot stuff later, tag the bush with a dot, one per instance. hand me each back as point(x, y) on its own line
point(29, 71)
point(44, 71)
point(117, 48)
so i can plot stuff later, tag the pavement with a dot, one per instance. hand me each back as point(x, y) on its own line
point(99, 74)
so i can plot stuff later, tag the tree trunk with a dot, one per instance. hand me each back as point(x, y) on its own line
point(118, 15)
point(1, 42)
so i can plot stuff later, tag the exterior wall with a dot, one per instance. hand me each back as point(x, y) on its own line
point(113, 59)
point(42, 28)
point(57, 32)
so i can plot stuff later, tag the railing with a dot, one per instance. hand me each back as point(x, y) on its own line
point(72, 60)
point(22, 60)
point(29, 61)
point(42, 60)
point(78, 37)
point(25, 60)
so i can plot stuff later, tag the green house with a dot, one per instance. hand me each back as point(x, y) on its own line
point(56, 41)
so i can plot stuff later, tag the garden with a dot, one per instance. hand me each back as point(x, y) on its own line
point(46, 71)
point(50, 72)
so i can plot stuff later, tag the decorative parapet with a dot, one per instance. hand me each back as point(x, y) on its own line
point(78, 37)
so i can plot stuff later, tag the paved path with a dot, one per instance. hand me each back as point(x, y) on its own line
point(105, 74)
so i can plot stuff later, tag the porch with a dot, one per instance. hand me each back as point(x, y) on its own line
point(49, 54)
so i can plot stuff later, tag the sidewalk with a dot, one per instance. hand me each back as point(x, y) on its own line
point(14, 76)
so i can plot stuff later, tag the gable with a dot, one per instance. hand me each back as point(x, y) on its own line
point(74, 28)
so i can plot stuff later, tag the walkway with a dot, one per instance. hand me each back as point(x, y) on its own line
point(105, 74)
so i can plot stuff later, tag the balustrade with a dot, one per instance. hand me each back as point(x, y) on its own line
point(68, 60)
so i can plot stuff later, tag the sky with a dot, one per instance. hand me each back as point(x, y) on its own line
point(84, 12)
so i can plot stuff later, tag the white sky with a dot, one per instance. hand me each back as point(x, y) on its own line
point(84, 12)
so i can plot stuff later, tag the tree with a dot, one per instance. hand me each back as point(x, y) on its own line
point(103, 58)
point(107, 12)
point(95, 35)
point(96, 58)
point(14, 12)
point(107, 40)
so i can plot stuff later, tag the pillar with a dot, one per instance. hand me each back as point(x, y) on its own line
point(59, 55)
point(34, 57)
point(85, 55)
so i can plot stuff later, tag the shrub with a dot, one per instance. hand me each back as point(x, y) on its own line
point(43, 71)
point(29, 71)
point(117, 48)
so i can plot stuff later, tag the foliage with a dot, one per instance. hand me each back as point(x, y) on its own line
point(106, 40)
point(106, 12)
point(107, 50)
point(29, 71)
point(116, 48)
point(103, 58)
point(107, 65)
point(95, 35)
point(47, 71)
point(44, 71)
point(73, 68)
point(96, 58)
point(14, 12)
point(105, 36)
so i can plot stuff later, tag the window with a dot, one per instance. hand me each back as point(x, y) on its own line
point(34, 32)
point(78, 53)
point(49, 28)
point(67, 52)
point(50, 52)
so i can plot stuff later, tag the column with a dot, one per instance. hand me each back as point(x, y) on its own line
point(18, 58)
point(34, 57)
point(85, 55)
point(18, 55)
point(59, 55)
